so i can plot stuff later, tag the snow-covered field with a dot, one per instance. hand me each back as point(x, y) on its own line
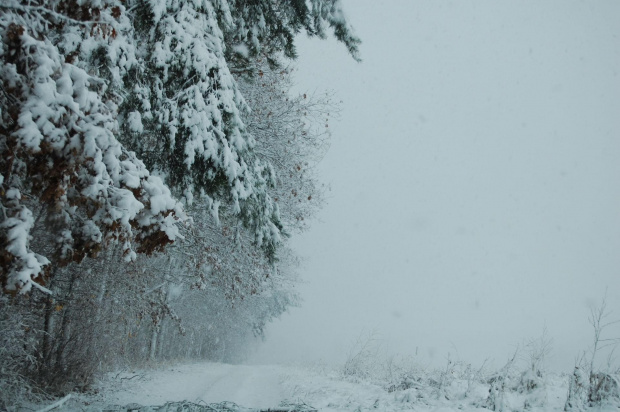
point(260, 387)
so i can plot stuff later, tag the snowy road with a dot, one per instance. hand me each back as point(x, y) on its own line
point(249, 386)
point(262, 387)
point(256, 386)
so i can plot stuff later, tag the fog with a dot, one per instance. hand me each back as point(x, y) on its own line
point(475, 182)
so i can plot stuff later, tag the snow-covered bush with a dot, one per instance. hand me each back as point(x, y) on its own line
point(500, 383)
point(402, 374)
point(587, 386)
point(532, 381)
point(533, 386)
point(363, 361)
point(442, 379)
point(604, 389)
point(578, 387)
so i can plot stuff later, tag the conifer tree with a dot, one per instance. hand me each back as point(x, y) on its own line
point(97, 95)
point(184, 112)
point(62, 166)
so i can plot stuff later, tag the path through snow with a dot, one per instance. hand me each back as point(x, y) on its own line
point(249, 386)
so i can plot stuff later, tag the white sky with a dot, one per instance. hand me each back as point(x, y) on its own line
point(475, 177)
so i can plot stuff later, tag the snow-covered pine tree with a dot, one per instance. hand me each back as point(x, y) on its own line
point(267, 28)
point(183, 114)
point(67, 68)
point(63, 169)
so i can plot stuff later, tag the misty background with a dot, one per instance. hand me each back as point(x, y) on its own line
point(475, 182)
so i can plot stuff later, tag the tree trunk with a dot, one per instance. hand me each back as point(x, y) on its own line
point(64, 329)
point(154, 339)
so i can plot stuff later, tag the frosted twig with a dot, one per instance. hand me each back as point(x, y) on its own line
point(41, 288)
point(55, 404)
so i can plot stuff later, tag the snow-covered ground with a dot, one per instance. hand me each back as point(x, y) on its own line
point(260, 387)
point(250, 386)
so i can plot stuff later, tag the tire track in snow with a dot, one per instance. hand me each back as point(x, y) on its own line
point(249, 386)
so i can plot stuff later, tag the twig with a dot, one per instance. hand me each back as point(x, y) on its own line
point(128, 379)
point(55, 404)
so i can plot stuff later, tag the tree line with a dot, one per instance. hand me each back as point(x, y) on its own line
point(153, 167)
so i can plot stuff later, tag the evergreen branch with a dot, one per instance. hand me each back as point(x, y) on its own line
point(28, 9)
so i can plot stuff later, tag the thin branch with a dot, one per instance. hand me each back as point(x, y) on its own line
point(55, 404)
point(27, 9)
